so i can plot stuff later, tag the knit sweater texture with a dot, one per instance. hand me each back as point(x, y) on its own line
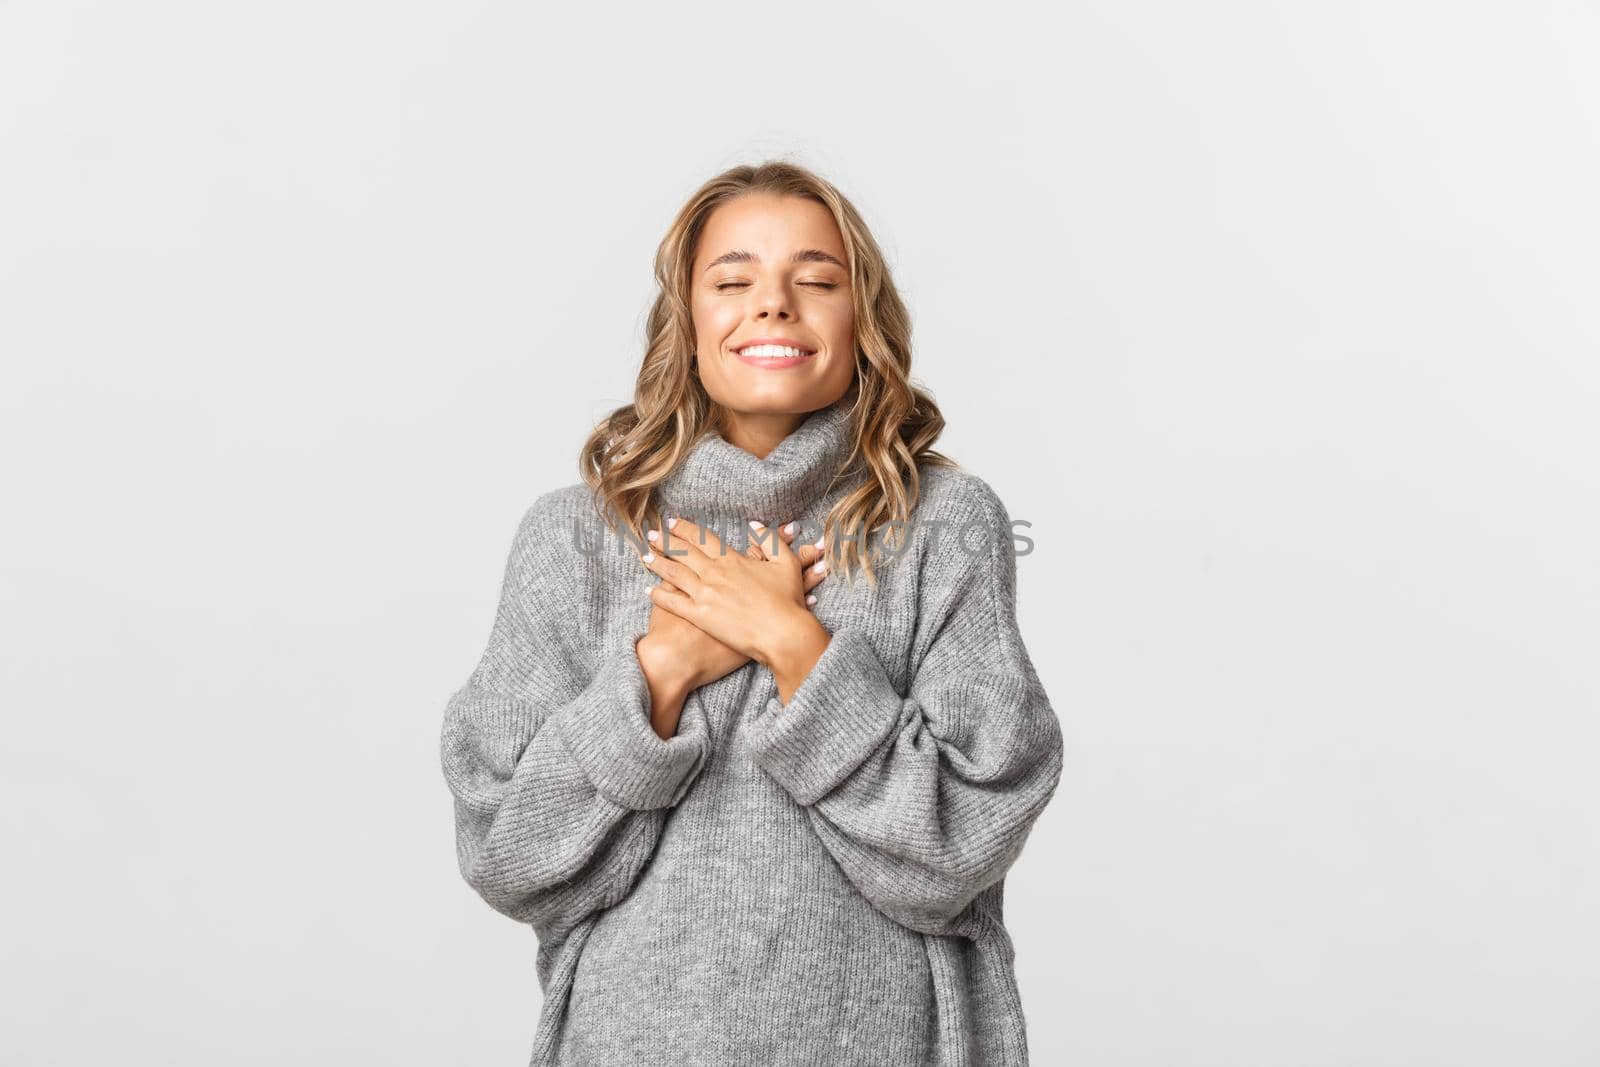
point(818, 882)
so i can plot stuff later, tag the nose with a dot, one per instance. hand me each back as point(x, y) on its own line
point(773, 302)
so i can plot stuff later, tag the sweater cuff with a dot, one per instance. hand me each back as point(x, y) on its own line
point(838, 716)
point(607, 730)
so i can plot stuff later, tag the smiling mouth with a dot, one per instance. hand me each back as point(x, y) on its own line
point(774, 357)
point(773, 351)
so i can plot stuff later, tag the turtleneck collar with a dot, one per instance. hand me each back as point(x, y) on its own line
point(720, 478)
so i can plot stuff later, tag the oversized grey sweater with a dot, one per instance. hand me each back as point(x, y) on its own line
point(817, 883)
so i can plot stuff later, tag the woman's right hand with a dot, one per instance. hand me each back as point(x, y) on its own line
point(677, 657)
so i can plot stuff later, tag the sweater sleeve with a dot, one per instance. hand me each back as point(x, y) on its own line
point(560, 784)
point(925, 798)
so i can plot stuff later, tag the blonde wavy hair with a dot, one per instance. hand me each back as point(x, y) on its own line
point(895, 422)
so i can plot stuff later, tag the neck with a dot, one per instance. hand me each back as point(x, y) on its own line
point(758, 433)
point(753, 469)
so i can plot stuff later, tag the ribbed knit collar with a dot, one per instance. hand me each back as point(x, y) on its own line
point(720, 478)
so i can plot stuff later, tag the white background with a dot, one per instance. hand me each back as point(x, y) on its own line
point(1278, 323)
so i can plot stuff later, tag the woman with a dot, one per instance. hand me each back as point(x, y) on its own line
point(758, 811)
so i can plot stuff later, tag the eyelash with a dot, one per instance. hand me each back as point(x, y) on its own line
point(821, 285)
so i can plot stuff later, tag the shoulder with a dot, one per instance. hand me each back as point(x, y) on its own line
point(555, 510)
point(966, 558)
point(553, 526)
point(955, 502)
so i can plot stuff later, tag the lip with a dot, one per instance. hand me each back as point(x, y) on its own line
point(807, 349)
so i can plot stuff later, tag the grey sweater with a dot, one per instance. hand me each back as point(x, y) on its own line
point(811, 883)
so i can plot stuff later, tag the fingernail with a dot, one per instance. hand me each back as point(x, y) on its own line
point(789, 529)
point(818, 544)
point(653, 535)
point(672, 522)
point(648, 556)
point(811, 598)
point(820, 567)
point(754, 525)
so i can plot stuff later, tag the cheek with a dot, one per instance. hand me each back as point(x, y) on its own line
point(841, 330)
point(712, 323)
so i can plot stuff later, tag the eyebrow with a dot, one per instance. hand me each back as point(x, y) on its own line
point(805, 255)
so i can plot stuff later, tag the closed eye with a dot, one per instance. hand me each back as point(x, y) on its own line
point(820, 285)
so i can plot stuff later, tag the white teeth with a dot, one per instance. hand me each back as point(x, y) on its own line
point(771, 350)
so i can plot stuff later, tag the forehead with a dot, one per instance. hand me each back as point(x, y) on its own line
point(770, 226)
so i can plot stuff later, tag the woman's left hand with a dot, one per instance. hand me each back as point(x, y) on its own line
point(752, 603)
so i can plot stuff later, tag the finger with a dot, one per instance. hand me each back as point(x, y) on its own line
point(669, 584)
point(789, 531)
point(765, 541)
point(811, 579)
point(807, 554)
point(694, 536)
point(814, 558)
point(681, 550)
point(669, 598)
point(682, 578)
point(817, 570)
point(784, 533)
point(777, 544)
point(758, 542)
point(782, 543)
